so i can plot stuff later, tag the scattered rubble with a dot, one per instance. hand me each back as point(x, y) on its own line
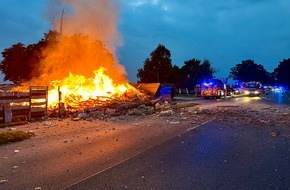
point(49, 124)
point(15, 167)
point(274, 133)
point(172, 113)
point(174, 122)
point(166, 113)
point(2, 181)
point(245, 115)
point(12, 129)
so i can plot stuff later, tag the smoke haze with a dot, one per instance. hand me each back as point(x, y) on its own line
point(88, 42)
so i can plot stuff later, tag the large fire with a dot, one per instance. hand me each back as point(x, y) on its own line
point(77, 88)
point(80, 63)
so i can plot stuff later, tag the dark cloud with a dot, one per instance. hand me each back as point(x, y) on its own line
point(224, 31)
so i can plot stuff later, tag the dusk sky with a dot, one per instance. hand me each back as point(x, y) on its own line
point(224, 31)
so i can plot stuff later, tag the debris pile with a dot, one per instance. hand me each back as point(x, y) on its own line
point(257, 117)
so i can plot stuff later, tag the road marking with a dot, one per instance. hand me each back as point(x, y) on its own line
point(194, 127)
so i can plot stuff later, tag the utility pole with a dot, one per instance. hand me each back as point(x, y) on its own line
point(61, 19)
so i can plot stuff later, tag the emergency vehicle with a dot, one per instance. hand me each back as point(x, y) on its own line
point(253, 88)
point(213, 88)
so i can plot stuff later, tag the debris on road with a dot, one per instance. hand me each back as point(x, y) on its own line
point(274, 133)
point(2, 181)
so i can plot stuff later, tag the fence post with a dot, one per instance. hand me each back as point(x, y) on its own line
point(7, 113)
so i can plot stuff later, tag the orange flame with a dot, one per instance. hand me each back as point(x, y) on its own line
point(78, 88)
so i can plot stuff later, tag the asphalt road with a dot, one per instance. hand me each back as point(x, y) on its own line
point(216, 155)
point(225, 153)
point(212, 156)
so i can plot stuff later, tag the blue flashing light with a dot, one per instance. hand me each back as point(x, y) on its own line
point(209, 83)
point(281, 88)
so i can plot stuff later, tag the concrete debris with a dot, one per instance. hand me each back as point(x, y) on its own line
point(166, 113)
point(49, 124)
point(136, 112)
point(157, 106)
point(193, 110)
point(76, 119)
point(199, 110)
point(12, 129)
point(16, 151)
point(162, 105)
point(166, 105)
point(82, 115)
point(2, 181)
point(263, 121)
point(174, 122)
point(37, 188)
point(274, 133)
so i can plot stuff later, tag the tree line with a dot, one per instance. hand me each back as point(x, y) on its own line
point(22, 63)
point(158, 68)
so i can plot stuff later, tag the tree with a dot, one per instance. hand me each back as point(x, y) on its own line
point(20, 63)
point(248, 70)
point(13, 63)
point(194, 72)
point(176, 76)
point(281, 72)
point(157, 68)
point(206, 71)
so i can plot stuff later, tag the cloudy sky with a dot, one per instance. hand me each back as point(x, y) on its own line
point(224, 31)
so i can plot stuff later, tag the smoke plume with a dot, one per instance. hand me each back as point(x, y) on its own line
point(88, 41)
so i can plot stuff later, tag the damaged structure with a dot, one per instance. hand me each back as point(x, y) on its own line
point(34, 105)
point(24, 105)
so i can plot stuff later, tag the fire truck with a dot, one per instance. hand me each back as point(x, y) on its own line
point(253, 88)
point(213, 88)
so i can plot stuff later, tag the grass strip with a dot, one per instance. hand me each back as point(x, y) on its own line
point(14, 136)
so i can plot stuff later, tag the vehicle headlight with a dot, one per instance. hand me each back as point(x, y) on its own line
point(247, 92)
point(256, 92)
